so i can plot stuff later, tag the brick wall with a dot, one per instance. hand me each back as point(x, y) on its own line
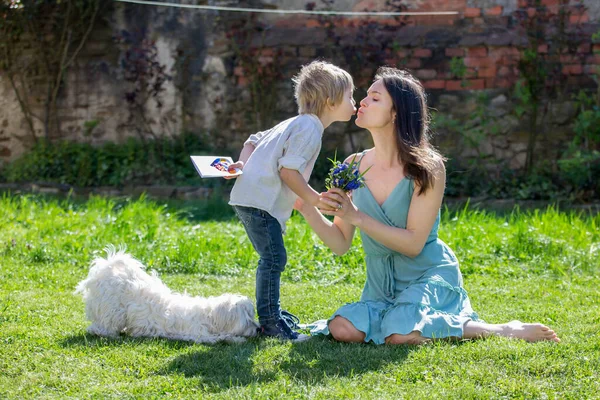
point(486, 35)
point(211, 90)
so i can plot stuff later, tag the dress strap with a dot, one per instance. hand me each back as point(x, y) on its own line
point(361, 155)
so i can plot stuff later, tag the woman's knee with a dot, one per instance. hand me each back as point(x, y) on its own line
point(342, 330)
point(412, 338)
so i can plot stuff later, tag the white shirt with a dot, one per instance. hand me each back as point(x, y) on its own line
point(294, 144)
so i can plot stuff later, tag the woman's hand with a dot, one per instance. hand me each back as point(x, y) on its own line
point(345, 207)
point(324, 204)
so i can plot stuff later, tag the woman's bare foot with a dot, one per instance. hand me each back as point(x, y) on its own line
point(528, 332)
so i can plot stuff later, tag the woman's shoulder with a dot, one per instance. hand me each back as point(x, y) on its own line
point(358, 156)
point(439, 167)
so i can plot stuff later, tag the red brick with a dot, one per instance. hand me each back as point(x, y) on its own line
point(454, 85)
point(402, 53)
point(503, 83)
point(243, 81)
point(472, 12)
point(313, 23)
point(494, 11)
point(596, 48)
point(422, 53)
point(531, 11)
point(434, 84)
point(455, 52)
point(475, 84)
point(268, 52)
point(477, 52)
point(584, 48)
point(504, 71)
point(569, 59)
point(470, 84)
point(238, 71)
point(478, 62)
point(508, 61)
point(595, 59)
point(542, 49)
point(426, 73)
point(579, 19)
point(499, 52)
point(470, 73)
point(445, 74)
point(478, 21)
point(264, 60)
point(413, 63)
point(487, 72)
point(572, 69)
point(550, 2)
point(553, 9)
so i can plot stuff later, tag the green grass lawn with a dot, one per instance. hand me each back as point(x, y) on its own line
point(534, 266)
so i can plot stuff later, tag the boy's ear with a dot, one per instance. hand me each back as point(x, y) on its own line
point(330, 103)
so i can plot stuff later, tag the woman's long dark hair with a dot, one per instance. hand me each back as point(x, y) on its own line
point(419, 157)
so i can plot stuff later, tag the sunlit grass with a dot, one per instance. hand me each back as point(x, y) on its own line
point(535, 266)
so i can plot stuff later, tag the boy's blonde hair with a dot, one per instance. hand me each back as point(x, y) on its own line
point(317, 82)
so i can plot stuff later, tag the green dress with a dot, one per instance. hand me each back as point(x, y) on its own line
point(404, 294)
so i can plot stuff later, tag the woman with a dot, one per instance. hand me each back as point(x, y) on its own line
point(413, 292)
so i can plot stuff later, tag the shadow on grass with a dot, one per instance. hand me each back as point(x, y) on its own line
point(212, 209)
point(88, 340)
point(223, 366)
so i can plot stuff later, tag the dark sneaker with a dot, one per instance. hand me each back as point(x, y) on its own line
point(282, 331)
point(290, 319)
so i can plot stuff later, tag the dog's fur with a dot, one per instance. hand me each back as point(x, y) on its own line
point(121, 297)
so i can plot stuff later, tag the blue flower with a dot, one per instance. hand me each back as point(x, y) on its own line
point(345, 176)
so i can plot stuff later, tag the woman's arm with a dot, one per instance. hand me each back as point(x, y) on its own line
point(336, 235)
point(421, 217)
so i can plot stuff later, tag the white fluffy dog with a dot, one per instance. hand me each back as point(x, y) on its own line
point(121, 297)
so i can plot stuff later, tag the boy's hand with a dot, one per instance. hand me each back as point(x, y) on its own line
point(232, 169)
point(299, 204)
point(324, 203)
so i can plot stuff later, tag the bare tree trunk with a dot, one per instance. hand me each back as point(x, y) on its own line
point(23, 105)
point(529, 162)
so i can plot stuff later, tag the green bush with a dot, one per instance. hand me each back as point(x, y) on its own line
point(580, 171)
point(160, 161)
point(166, 161)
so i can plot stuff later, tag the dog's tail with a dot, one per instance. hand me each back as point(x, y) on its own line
point(117, 262)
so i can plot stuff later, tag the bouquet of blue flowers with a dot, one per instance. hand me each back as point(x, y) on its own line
point(345, 176)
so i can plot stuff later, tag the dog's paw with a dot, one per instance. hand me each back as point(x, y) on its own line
point(98, 330)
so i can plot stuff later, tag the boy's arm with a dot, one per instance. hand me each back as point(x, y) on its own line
point(336, 235)
point(249, 146)
point(244, 156)
point(246, 153)
point(296, 182)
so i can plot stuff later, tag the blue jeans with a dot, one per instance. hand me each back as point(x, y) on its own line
point(266, 237)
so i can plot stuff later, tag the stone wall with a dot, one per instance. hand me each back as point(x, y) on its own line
point(211, 88)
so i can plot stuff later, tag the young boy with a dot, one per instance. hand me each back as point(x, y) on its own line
point(276, 166)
